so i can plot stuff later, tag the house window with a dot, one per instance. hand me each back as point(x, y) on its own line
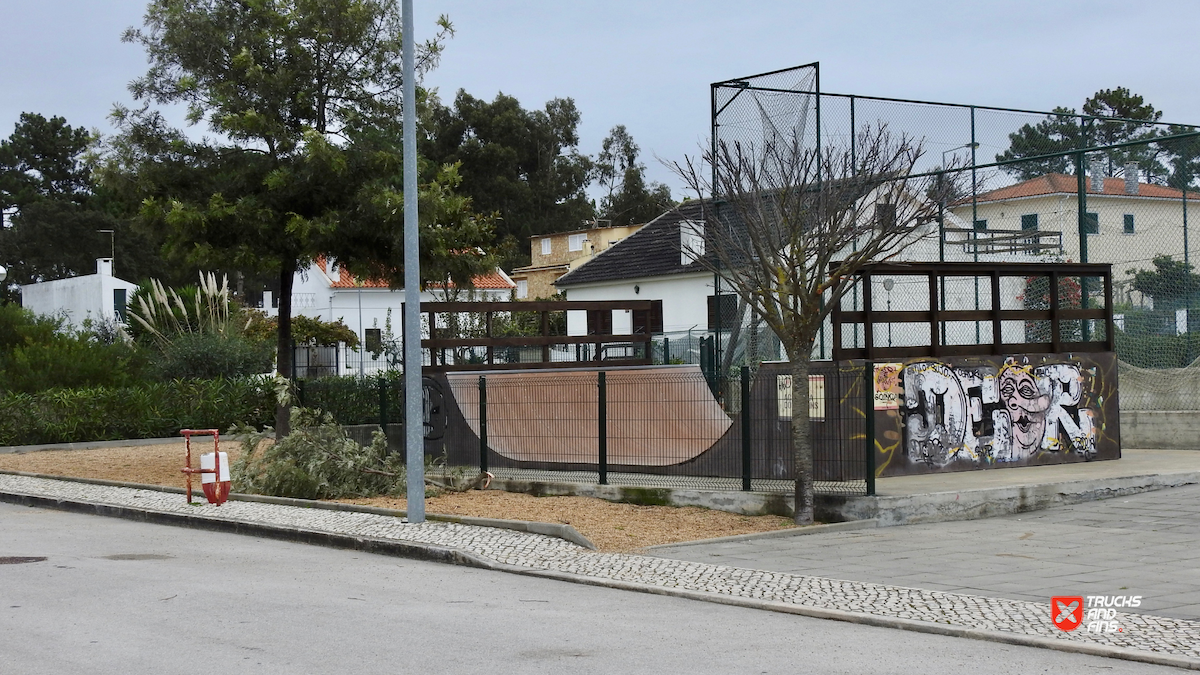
point(545, 245)
point(1128, 223)
point(1091, 223)
point(575, 242)
point(119, 304)
point(691, 241)
point(1029, 221)
point(981, 225)
point(374, 340)
point(523, 287)
point(727, 304)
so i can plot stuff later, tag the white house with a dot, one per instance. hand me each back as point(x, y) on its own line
point(1128, 222)
point(96, 297)
point(661, 262)
point(327, 291)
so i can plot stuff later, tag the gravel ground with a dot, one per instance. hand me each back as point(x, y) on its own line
point(612, 527)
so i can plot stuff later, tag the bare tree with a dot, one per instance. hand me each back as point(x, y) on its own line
point(788, 228)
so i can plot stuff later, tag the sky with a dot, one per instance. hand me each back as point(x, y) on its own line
point(648, 65)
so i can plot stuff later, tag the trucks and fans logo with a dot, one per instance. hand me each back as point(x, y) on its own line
point(1067, 611)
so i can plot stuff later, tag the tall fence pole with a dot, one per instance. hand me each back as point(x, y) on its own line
point(869, 425)
point(746, 460)
point(483, 443)
point(602, 428)
point(383, 405)
point(667, 346)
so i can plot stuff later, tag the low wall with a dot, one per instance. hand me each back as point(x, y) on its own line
point(1160, 429)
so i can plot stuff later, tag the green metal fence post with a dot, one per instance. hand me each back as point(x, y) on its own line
point(300, 392)
point(383, 405)
point(602, 399)
point(869, 426)
point(666, 351)
point(483, 444)
point(746, 460)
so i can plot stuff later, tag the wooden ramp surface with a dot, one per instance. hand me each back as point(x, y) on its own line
point(656, 416)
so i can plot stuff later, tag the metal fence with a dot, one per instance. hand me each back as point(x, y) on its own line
point(1059, 186)
point(661, 427)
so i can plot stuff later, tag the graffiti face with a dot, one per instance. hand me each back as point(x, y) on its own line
point(1026, 405)
point(977, 415)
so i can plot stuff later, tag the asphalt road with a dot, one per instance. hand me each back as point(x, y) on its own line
point(119, 596)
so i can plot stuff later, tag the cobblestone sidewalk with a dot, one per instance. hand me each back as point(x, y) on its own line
point(540, 553)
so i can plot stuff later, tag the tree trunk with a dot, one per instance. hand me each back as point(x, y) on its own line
point(283, 356)
point(802, 450)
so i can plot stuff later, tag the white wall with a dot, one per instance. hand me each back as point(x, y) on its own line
point(685, 299)
point(78, 298)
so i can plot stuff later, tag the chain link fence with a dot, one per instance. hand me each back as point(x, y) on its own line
point(1030, 186)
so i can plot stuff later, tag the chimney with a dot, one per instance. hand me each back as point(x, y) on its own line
point(1131, 179)
point(104, 266)
point(1097, 166)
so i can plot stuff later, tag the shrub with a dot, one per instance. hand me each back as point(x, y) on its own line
point(211, 355)
point(317, 461)
point(152, 410)
point(353, 399)
point(68, 361)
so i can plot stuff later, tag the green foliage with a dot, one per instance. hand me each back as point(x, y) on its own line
point(46, 178)
point(211, 355)
point(306, 330)
point(353, 399)
point(38, 353)
point(1172, 284)
point(317, 460)
point(522, 164)
point(629, 199)
point(303, 99)
point(1157, 351)
point(152, 410)
point(1057, 133)
point(68, 361)
point(1060, 132)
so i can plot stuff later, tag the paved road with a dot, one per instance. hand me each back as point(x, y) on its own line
point(116, 596)
point(1146, 544)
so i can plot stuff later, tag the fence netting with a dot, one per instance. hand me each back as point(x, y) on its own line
point(1024, 186)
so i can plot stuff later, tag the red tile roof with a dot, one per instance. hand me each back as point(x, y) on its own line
point(492, 280)
point(1059, 183)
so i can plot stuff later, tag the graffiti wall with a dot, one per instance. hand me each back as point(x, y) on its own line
point(978, 412)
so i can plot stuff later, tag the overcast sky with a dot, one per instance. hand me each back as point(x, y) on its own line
point(648, 64)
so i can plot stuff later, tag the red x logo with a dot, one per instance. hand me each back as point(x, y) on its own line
point(1067, 611)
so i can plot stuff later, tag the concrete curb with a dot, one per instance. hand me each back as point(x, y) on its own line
point(560, 530)
point(429, 552)
point(867, 619)
point(90, 445)
point(848, 526)
point(455, 556)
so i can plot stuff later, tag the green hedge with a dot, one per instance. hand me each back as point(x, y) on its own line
point(1158, 351)
point(353, 399)
point(152, 410)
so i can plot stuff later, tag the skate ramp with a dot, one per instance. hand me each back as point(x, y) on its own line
point(657, 416)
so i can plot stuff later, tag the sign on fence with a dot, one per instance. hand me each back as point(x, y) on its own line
point(816, 396)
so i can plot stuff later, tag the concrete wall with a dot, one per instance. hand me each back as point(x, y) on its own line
point(1160, 429)
point(79, 298)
